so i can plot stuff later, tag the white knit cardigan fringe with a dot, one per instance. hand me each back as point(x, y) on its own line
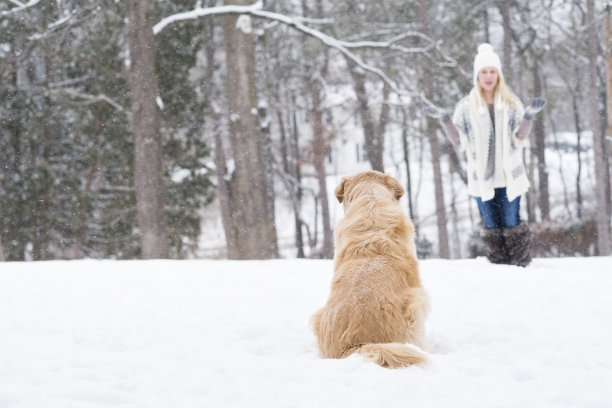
point(473, 122)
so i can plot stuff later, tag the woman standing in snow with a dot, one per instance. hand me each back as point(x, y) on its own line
point(492, 126)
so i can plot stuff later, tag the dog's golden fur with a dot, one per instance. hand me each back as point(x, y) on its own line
point(376, 302)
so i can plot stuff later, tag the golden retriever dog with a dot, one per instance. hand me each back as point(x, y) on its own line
point(377, 302)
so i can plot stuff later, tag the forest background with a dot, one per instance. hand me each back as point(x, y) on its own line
point(124, 123)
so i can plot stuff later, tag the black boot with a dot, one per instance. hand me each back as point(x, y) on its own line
point(495, 246)
point(518, 242)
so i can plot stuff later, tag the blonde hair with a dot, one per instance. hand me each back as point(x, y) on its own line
point(506, 94)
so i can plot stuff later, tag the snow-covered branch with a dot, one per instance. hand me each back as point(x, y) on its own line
point(200, 12)
point(17, 3)
point(391, 43)
point(20, 6)
point(341, 46)
point(51, 27)
point(89, 99)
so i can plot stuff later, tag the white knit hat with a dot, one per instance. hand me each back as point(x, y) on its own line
point(486, 57)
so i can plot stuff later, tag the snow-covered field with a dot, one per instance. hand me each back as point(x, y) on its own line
point(236, 334)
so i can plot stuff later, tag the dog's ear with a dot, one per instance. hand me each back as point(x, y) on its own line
point(339, 192)
point(395, 186)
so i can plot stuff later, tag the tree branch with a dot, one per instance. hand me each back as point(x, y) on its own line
point(51, 27)
point(341, 46)
point(89, 99)
point(20, 6)
point(17, 3)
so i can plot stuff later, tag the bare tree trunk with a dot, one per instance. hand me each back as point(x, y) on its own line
point(224, 193)
point(531, 213)
point(322, 136)
point(297, 175)
point(608, 51)
point(83, 200)
point(41, 226)
point(439, 189)
point(290, 156)
point(504, 9)
point(603, 222)
point(373, 133)
point(251, 194)
point(148, 181)
point(559, 152)
point(538, 130)
point(434, 143)
point(290, 172)
point(608, 102)
point(573, 86)
point(406, 150)
point(382, 124)
point(320, 149)
point(327, 251)
point(16, 243)
point(603, 97)
point(457, 253)
point(219, 157)
point(486, 24)
point(264, 131)
point(578, 156)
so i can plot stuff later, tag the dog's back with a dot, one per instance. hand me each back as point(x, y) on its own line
point(376, 300)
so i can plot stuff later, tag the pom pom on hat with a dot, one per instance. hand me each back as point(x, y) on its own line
point(485, 47)
point(486, 57)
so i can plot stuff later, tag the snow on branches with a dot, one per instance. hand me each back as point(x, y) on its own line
point(343, 47)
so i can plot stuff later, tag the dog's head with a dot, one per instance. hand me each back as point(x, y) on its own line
point(370, 183)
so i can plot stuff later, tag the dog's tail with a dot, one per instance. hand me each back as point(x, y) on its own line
point(389, 355)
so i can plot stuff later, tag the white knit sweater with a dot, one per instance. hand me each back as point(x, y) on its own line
point(473, 122)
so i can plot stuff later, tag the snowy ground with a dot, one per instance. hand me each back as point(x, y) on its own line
point(235, 334)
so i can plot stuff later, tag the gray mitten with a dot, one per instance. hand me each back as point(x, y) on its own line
point(536, 105)
point(436, 113)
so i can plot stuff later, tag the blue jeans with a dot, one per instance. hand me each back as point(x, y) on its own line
point(498, 212)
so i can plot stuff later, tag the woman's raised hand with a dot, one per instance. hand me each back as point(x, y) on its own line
point(536, 105)
point(437, 113)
